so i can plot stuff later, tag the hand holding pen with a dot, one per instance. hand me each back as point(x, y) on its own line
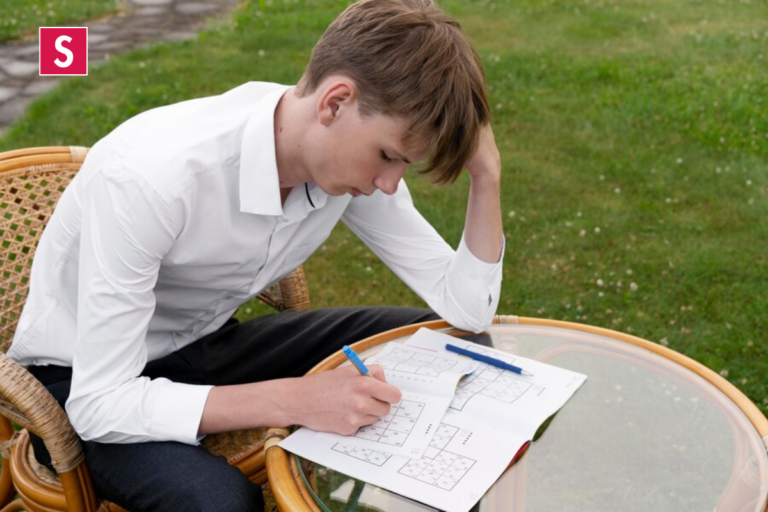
point(339, 401)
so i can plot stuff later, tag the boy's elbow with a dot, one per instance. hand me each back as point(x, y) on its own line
point(89, 425)
point(83, 421)
point(471, 324)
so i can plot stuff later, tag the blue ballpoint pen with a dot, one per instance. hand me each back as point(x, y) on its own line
point(355, 359)
point(487, 359)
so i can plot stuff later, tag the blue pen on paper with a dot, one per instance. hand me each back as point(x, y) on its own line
point(355, 359)
point(487, 359)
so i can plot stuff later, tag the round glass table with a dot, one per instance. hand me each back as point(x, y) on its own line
point(649, 430)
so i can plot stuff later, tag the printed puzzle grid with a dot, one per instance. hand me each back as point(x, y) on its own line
point(437, 467)
point(419, 364)
point(364, 454)
point(489, 381)
point(394, 428)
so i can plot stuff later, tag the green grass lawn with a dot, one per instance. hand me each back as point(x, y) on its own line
point(635, 144)
point(20, 18)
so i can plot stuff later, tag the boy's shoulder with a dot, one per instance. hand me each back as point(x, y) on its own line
point(169, 145)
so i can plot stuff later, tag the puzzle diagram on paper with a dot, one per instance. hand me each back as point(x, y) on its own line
point(417, 364)
point(489, 381)
point(393, 429)
point(363, 454)
point(439, 467)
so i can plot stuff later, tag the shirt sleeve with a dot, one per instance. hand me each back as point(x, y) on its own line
point(458, 286)
point(126, 230)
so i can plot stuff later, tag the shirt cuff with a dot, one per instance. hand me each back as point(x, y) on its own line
point(178, 411)
point(480, 274)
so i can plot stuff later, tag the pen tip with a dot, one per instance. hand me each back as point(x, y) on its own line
point(528, 374)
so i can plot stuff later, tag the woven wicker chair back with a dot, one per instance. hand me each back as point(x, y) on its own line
point(31, 183)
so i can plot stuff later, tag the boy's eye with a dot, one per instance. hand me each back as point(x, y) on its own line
point(385, 157)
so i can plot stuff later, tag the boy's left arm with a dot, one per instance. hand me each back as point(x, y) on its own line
point(482, 227)
point(463, 285)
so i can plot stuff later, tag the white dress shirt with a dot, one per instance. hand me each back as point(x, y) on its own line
point(173, 221)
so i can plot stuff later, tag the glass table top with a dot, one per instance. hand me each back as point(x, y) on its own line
point(643, 433)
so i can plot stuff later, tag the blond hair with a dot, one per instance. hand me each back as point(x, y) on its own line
point(409, 60)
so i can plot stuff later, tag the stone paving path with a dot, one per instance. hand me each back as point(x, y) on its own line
point(142, 22)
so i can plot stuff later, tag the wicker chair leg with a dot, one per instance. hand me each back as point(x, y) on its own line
point(7, 491)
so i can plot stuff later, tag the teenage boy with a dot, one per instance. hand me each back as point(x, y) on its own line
point(184, 212)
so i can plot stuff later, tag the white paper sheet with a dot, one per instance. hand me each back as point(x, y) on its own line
point(494, 396)
point(459, 466)
point(493, 414)
point(428, 383)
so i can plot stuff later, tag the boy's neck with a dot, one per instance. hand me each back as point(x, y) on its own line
point(288, 136)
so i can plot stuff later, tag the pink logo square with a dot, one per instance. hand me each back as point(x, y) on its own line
point(63, 51)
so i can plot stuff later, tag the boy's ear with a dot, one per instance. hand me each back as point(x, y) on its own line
point(335, 99)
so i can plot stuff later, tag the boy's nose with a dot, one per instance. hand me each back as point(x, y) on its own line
point(388, 182)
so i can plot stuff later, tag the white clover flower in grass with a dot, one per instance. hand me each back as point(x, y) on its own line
point(749, 183)
point(262, 53)
point(679, 161)
point(617, 190)
point(511, 214)
point(599, 282)
point(724, 372)
point(597, 230)
point(582, 233)
point(248, 311)
point(633, 286)
point(664, 341)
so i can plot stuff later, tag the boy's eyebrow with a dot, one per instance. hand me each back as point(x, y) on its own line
point(401, 157)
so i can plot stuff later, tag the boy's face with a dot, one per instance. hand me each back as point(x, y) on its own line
point(351, 154)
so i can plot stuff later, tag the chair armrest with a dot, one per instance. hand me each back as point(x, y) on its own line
point(290, 294)
point(24, 400)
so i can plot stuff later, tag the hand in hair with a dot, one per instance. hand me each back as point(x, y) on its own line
point(486, 162)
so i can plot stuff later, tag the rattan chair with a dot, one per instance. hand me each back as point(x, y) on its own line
point(31, 182)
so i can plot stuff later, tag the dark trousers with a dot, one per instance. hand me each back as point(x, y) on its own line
point(174, 476)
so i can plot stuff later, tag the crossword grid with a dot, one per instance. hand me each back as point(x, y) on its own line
point(420, 364)
point(491, 382)
point(439, 467)
point(394, 428)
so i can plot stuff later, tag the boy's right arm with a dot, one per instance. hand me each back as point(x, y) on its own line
point(126, 231)
point(339, 401)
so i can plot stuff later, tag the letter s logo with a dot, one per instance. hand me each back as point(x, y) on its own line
point(65, 51)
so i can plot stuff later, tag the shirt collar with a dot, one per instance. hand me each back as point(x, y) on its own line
point(259, 183)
